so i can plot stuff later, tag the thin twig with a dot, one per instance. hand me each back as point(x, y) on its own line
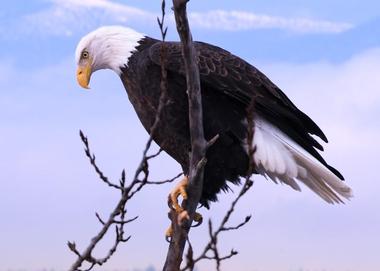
point(92, 159)
point(117, 216)
point(165, 181)
point(211, 246)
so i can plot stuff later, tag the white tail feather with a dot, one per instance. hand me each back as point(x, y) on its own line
point(282, 159)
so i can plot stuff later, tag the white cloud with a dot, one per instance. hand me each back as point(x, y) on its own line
point(241, 20)
point(67, 17)
point(122, 12)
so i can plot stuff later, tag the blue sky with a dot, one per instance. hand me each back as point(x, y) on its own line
point(324, 54)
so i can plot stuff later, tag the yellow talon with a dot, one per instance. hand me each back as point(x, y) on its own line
point(198, 218)
point(169, 233)
point(180, 190)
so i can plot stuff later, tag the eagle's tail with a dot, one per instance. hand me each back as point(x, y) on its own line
point(283, 160)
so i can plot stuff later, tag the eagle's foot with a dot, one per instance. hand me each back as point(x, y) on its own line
point(179, 190)
point(182, 215)
point(198, 218)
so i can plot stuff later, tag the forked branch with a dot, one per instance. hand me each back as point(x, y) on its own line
point(118, 217)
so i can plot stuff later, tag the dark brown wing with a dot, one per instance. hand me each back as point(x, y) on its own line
point(238, 79)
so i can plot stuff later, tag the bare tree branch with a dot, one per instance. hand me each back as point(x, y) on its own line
point(118, 215)
point(212, 245)
point(198, 142)
point(165, 181)
point(92, 159)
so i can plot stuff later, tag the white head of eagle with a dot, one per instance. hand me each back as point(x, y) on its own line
point(108, 47)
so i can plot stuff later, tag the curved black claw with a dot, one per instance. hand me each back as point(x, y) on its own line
point(198, 218)
point(168, 239)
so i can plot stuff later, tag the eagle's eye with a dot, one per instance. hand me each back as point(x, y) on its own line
point(85, 54)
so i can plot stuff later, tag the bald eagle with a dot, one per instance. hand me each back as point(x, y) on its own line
point(285, 150)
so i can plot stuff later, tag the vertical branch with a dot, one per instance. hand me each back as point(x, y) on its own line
point(198, 142)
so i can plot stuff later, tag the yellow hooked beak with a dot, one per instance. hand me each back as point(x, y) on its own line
point(84, 74)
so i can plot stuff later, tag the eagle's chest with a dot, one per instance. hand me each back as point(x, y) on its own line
point(142, 83)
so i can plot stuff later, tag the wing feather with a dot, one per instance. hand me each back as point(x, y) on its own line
point(234, 77)
point(300, 164)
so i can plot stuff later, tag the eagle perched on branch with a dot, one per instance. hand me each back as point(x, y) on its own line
point(285, 150)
